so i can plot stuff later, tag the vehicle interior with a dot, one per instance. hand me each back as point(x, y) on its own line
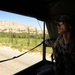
point(43, 10)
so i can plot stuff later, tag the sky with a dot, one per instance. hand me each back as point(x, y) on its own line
point(26, 20)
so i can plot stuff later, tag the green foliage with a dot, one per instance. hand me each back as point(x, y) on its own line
point(20, 40)
point(21, 35)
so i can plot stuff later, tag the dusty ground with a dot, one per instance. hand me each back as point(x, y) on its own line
point(13, 66)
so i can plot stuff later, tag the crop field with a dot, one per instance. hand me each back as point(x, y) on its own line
point(23, 44)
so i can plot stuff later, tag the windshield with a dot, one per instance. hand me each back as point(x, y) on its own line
point(20, 37)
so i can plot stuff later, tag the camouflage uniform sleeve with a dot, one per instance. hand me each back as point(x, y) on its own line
point(57, 45)
point(49, 42)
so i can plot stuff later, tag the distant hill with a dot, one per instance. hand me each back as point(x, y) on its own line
point(17, 27)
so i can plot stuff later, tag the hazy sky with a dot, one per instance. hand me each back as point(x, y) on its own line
point(11, 17)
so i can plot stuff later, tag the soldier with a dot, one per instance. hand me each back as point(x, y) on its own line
point(64, 46)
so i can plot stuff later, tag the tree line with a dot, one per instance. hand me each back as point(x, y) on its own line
point(22, 35)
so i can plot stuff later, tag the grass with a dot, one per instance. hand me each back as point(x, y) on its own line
point(22, 44)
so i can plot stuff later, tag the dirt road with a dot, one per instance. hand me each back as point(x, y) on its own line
point(13, 66)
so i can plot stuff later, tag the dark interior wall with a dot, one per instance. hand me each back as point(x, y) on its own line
point(62, 7)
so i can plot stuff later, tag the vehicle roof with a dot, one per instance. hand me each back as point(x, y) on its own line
point(40, 9)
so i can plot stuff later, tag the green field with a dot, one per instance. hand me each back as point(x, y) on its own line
point(23, 44)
